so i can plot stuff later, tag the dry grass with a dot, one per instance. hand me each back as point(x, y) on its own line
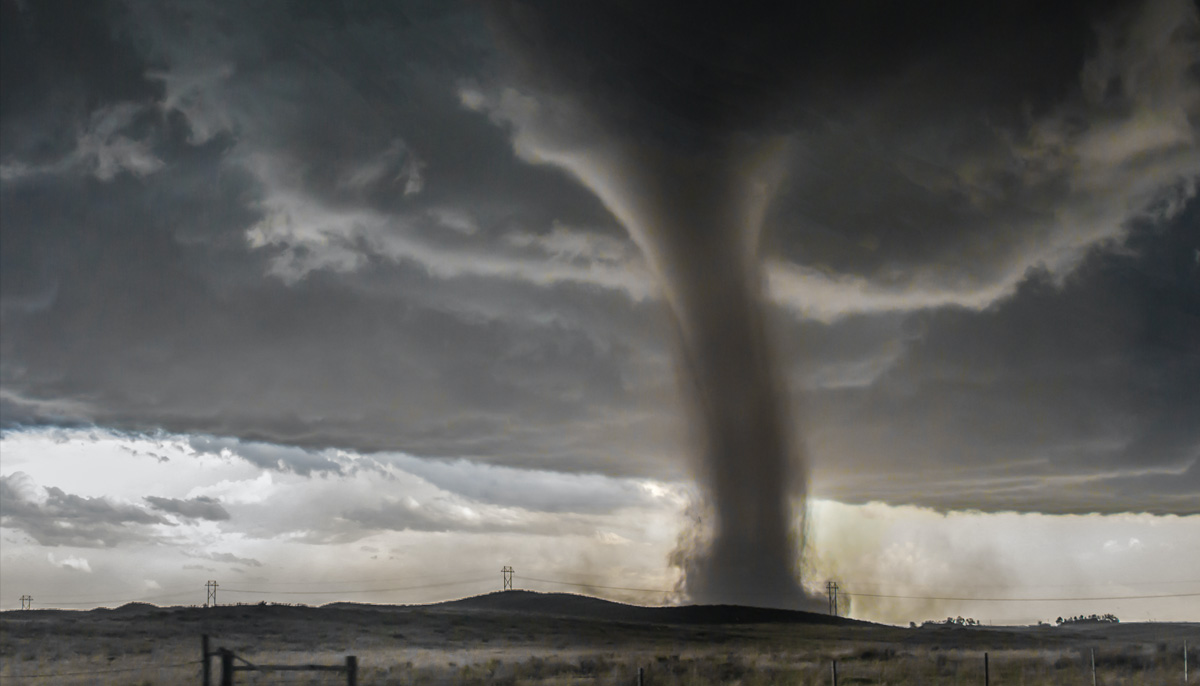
point(411, 646)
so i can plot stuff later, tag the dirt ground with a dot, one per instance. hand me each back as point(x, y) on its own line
point(560, 639)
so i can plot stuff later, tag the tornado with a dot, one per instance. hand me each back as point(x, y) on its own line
point(661, 119)
point(702, 224)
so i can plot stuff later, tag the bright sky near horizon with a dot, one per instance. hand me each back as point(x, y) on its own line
point(155, 519)
point(294, 297)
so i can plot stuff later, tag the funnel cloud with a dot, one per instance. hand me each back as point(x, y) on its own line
point(688, 166)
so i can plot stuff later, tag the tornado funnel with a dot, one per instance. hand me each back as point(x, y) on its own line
point(693, 197)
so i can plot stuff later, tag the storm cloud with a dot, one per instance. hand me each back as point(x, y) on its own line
point(307, 227)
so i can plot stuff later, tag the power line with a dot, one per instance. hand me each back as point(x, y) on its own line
point(611, 588)
point(323, 582)
point(1032, 586)
point(176, 591)
point(171, 591)
point(1026, 600)
point(362, 590)
point(51, 604)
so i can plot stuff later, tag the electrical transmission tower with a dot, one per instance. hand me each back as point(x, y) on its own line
point(26, 602)
point(831, 587)
point(211, 599)
point(506, 572)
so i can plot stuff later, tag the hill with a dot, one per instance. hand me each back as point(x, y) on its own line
point(587, 607)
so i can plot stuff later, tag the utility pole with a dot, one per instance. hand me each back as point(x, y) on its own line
point(211, 599)
point(506, 574)
point(26, 602)
point(831, 588)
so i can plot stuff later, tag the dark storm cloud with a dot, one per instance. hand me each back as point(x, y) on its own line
point(952, 181)
point(54, 518)
point(671, 72)
point(386, 293)
point(200, 507)
point(1075, 396)
point(66, 82)
point(301, 225)
point(932, 168)
point(946, 171)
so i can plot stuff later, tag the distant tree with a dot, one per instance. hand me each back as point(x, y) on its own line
point(950, 621)
point(1090, 619)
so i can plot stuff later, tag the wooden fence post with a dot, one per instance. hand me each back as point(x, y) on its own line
point(834, 673)
point(986, 675)
point(351, 670)
point(226, 667)
point(641, 677)
point(1093, 667)
point(206, 661)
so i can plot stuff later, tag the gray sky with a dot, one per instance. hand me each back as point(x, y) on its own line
point(306, 253)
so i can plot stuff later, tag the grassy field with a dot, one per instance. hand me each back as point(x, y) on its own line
point(545, 639)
